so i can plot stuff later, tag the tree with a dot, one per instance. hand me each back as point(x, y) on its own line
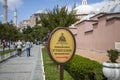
point(38, 32)
point(8, 32)
point(27, 33)
point(59, 17)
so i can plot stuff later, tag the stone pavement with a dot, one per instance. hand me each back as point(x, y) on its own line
point(97, 56)
point(23, 68)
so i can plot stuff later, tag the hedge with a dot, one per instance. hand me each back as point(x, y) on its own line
point(81, 68)
point(6, 52)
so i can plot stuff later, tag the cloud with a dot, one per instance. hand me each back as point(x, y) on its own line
point(13, 3)
point(1, 16)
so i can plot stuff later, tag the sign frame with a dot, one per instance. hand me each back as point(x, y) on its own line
point(49, 40)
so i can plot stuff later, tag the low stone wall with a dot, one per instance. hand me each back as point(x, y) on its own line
point(6, 56)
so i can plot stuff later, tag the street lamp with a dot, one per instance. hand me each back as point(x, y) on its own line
point(27, 31)
point(36, 36)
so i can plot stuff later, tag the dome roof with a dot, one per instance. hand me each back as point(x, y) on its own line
point(116, 8)
point(41, 12)
point(84, 9)
point(87, 17)
point(111, 7)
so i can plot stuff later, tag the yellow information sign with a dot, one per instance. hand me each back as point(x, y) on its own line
point(61, 45)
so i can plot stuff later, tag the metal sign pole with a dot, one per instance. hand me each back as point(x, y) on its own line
point(61, 47)
point(61, 72)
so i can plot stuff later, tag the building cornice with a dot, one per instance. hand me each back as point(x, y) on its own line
point(117, 18)
point(108, 14)
point(86, 21)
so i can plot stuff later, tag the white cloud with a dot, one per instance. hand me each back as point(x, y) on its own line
point(13, 3)
point(1, 16)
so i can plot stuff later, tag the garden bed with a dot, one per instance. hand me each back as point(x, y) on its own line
point(51, 69)
point(7, 54)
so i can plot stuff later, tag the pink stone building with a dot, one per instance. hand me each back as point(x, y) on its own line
point(99, 33)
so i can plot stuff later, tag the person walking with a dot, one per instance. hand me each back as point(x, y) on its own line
point(3, 45)
point(28, 46)
point(19, 48)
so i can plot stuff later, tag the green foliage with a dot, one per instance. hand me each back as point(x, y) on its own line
point(51, 69)
point(27, 30)
point(81, 68)
point(58, 17)
point(36, 32)
point(27, 33)
point(8, 32)
point(6, 52)
point(113, 55)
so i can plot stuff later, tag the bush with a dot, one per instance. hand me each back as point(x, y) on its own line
point(6, 52)
point(113, 55)
point(81, 68)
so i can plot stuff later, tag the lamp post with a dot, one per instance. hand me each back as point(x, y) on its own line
point(27, 31)
point(36, 35)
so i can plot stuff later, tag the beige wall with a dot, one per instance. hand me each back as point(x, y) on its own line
point(100, 36)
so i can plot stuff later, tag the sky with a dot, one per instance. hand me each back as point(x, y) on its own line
point(25, 8)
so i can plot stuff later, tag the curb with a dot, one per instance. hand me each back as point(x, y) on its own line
point(6, 56)
point(43, 72)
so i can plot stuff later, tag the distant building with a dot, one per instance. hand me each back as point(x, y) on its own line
point(23, 24)
point(99, 32)
point(34, 20)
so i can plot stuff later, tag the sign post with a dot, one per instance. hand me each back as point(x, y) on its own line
point(61, 47)
point(61, 72)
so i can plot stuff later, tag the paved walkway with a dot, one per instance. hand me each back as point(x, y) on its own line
point(99, 57)
point(23, 68)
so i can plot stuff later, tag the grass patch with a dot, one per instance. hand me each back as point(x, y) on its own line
point(51, 70)
point(6, 52)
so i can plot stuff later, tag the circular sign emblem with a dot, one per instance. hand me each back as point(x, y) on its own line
point(61, 45)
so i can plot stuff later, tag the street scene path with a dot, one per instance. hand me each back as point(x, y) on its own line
point(97, 56)
point(23, 68)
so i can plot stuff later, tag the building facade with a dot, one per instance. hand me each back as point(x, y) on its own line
point(23, 24)
point(99, 32)
point(33, 20)
point(98, 35)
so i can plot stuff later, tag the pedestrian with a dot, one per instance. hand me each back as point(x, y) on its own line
point(28, 46)
point(3, 44)
point(19, 48)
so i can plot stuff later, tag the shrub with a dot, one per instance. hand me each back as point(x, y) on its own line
point(113, 55)
point(6, 52)
point(81, 68)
